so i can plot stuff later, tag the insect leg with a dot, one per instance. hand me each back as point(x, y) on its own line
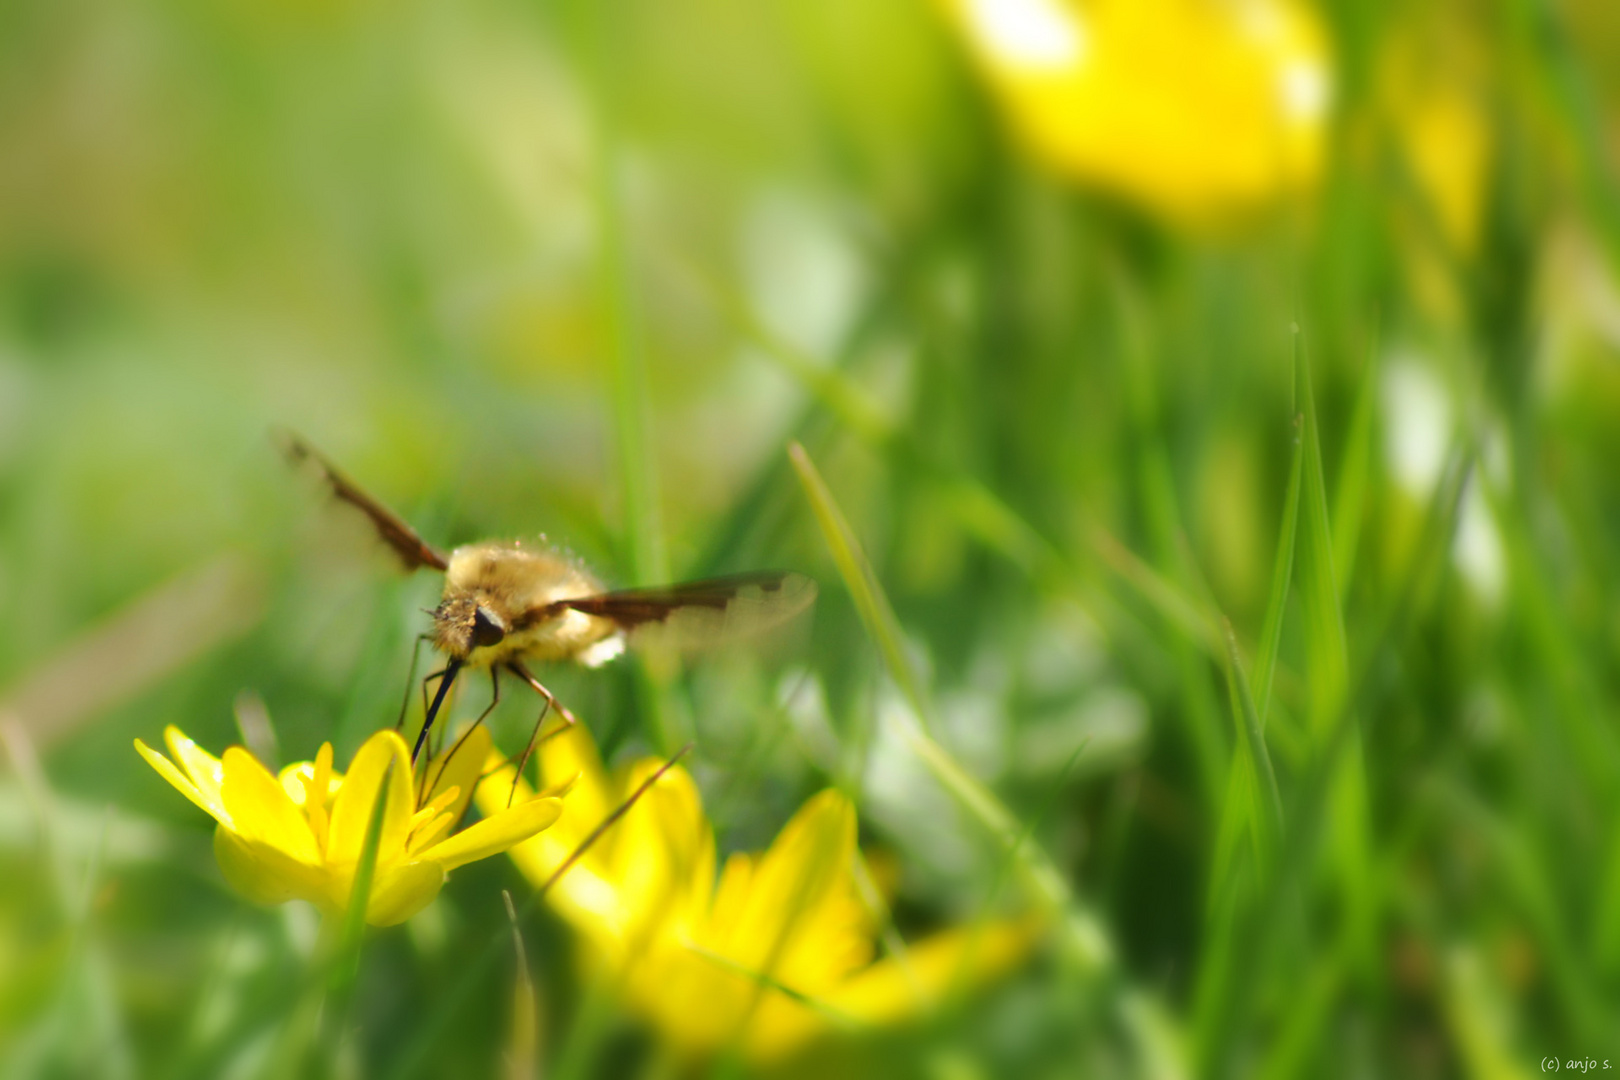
point(528, 748)
point(569, 719)
point(551, 702)
point(416, 655)
point(494, 700)
point(449, 674)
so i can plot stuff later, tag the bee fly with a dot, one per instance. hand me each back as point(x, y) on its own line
point(506, 603)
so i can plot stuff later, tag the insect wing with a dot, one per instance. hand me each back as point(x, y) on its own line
point(412, 550)
point(700, 614)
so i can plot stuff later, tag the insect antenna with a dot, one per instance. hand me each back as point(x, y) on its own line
point(450, 671)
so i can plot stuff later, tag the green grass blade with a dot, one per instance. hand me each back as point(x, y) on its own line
point(1315, 801)
point(1308, 1012)
point(522, 1054)
point(1605, 927)
point(1239, 823)
point(1240, 819)
point(345, 969)
point(974, 506)
point(1305, 1018)
point(1474, 1008)
point(1327, 655)
point(1229, 906)
point(1327, 665)
point(1562, 659)
point(1004, 868)
point(1541, 27)
point(627, 371)
point(412, 1058)
point(1046, 883)
point(1254, 740)
point(765, 981)
point(985, 517)
point(627, 376)
point(1282, 572)
point(1157, 591)
point(878, 910)
point(1088, 942)
point(1168, 544)
point(977, 509)
point(1252, 809)
point(870, 600)
point(840, 395)
point(1525, 876)
point(354, 919)
point(1350, 496)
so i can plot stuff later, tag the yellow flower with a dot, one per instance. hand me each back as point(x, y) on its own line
point(1432, 79)
point(1193, 108)
point(300, 835)
point(775, 952)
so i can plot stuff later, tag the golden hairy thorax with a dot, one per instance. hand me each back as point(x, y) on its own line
point(500, 604)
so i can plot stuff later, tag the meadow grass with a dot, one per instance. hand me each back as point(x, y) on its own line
point(1240, 602)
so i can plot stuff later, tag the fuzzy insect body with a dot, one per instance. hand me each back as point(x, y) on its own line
point(507, 602)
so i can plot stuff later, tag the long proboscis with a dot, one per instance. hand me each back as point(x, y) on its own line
point(450, 671)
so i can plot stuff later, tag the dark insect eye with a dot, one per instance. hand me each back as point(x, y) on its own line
point(487, 628)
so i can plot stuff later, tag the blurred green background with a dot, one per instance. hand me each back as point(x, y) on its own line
point(587, 269)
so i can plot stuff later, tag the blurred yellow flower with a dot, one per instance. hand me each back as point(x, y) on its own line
point(300, 835)
point(1432, 79)
point(775, 953)
point(1193, 108)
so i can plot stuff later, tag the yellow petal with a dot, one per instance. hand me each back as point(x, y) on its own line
point(1190, 107)
point(263, 873)
point(203, 768)
point(302, 778)
point(665, 982)
point(323, 784)
point(589, 901)
point(498, 774)
point(964, 957)
point(169, 772)
point(459, 766)
point(571, 752)
point(500, 783)
point(427, 835)
point(495, 834)
point(430, 824)
point(297, 780)
point(261, 812)
point(662, 857)
point(403, 891)
point(540, 856)
point(804, 867)
point(499, 787)
point(351, 810)
point(561, 788)
point(326, 781)
point(832, 939)
point(731, 895)
point(435, 807)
